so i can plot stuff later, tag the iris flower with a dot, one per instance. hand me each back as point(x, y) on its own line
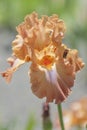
point(53, 65)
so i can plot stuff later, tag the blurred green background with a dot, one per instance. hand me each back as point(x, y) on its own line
point(73, 12)
point(12, 13)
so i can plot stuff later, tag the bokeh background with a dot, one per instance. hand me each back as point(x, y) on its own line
point(19, 108)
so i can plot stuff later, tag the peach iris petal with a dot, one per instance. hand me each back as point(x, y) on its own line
point(53, 84)
point(41, 85)
point(20, 49)
point(39, 32)
point(15, 64)
point(75, 60)
point(66, 73)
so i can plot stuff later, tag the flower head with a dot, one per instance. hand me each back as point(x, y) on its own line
point(54, 66)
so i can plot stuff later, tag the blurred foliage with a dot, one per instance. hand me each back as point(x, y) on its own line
point(73, 12)
point(11, 125)
point(13, 12)
point(31, 123)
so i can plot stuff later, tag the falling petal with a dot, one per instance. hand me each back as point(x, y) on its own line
point(53, 84)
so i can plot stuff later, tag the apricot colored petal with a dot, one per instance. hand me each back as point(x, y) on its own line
point(65, 73)
point(53, 84)
point(38, 33)
point(15, 64)
point(75, 60)
point(20, 49)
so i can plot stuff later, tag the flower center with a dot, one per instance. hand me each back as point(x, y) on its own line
point(47, 61)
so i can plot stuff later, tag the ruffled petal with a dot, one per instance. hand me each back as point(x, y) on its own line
point(40, 32)
point(20, 49)
point(53, 84)
point(15, 64)
point(66, 75)
point(75, 60)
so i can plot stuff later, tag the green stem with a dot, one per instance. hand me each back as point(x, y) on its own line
point(60, 116)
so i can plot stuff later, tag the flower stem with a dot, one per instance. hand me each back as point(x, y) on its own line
point(60, 116)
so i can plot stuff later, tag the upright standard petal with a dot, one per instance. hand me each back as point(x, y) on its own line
point(39, 32)
point(20, 49)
